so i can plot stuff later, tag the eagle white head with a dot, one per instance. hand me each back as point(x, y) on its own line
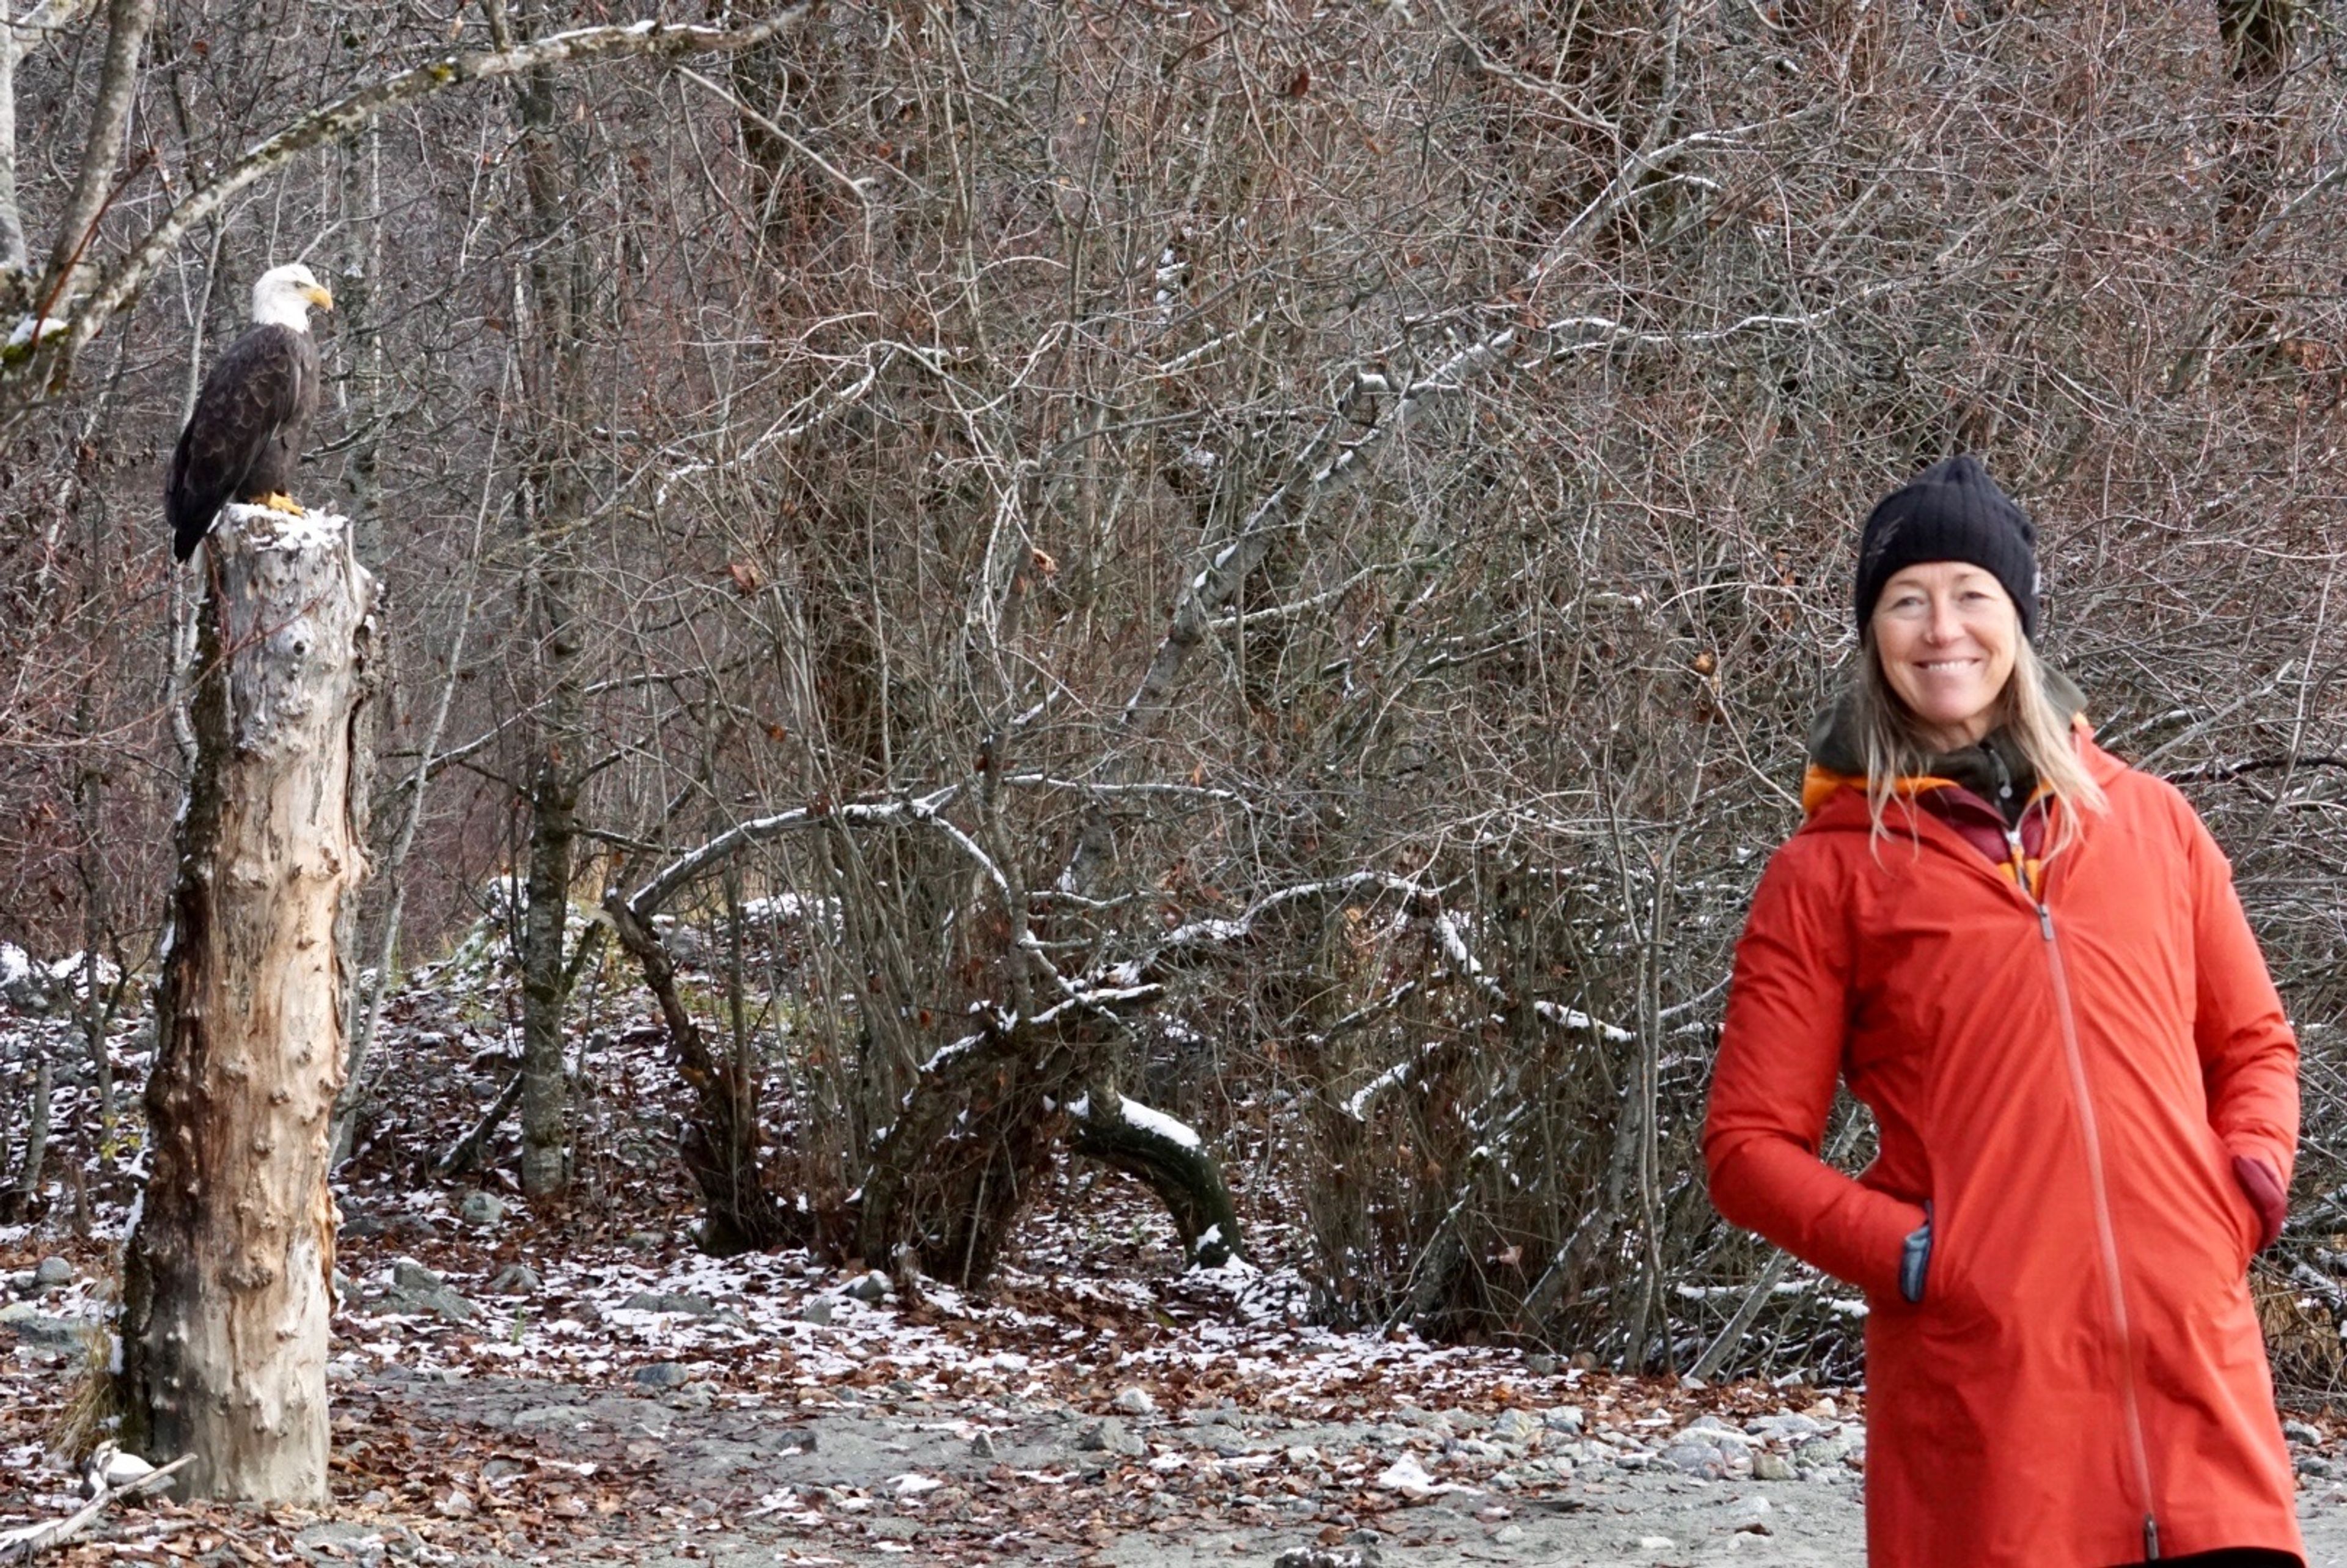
point(285, 294)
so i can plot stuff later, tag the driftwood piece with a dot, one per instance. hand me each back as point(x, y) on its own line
point(228, 1267)
point(22, 1545)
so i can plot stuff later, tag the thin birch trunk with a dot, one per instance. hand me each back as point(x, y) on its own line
point(126, 25)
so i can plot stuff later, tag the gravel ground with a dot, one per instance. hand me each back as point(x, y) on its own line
point(882, 1447)
point(1648, 1517)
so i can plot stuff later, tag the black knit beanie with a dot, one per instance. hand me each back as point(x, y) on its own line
point(1950, 511)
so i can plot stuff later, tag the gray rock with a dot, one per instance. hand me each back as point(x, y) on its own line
point(416, 1291)
point(641, 1241)
point(1108, 1435)
point(1713, 1432)
point(1541, 1366)
point(816, 1309)
point(1517, 1428)
point(542, 1418)
point(981, 1444)
point(682, 1302)
point(359, 1223)
point(663, 1375)
point(481, 1209)
point(36, 1330)
point(517, 1279)
point(409, 1274)
point(1695, 1458)
point(2296, 1432)
point(1135, 1401)
point(867, 1288)
point(1767, 1466)
point(52, 1273)
point(1791, 1429)
point(1564, 1419)
point(1364, 1556)
point(335, 1541)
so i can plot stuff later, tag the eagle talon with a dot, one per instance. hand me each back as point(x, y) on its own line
point(279, 501)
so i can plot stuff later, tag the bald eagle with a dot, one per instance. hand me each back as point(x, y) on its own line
point(243, 442)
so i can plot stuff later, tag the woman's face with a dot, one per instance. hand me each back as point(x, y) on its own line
point(1945, 632)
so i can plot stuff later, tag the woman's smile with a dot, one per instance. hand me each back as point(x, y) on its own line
point(1945, 632)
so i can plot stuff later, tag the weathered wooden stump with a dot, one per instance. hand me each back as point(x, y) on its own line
point(229, 1269)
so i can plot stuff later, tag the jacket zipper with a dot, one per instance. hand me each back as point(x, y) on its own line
point(2105, 1232)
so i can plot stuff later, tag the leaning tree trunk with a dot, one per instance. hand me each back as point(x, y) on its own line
point(228, 1275)
point(1171, 1160)
point(720, 1140)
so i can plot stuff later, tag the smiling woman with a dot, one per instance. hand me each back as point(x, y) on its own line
point(2083, 1085)
point(1945, 633)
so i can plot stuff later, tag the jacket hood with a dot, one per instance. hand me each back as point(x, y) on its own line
point(1838, 755)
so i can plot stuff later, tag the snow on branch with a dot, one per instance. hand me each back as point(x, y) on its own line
point(694, 864)
point(1453, 940)
point(1218, 931)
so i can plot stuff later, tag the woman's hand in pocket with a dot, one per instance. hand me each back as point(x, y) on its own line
point(2263, 1188)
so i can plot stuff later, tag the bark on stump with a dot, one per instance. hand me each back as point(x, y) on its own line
point(227, 1278)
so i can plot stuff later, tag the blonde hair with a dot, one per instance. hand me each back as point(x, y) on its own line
point(1894, 747)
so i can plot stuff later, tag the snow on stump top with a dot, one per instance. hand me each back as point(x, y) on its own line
point(290, 587)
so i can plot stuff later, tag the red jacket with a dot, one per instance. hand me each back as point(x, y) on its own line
point(2082, 1381)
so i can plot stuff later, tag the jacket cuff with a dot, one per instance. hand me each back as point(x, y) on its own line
point(2261, 1184)
point(1874, 1249)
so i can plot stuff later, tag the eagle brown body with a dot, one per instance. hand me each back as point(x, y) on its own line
point(243, 442)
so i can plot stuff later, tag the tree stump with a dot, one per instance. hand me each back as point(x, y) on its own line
point(228, 1278)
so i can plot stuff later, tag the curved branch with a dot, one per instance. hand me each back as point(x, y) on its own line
point(1168, 1157)
point(585, 46)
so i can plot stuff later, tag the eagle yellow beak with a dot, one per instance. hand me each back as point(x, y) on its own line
point(317, 295)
